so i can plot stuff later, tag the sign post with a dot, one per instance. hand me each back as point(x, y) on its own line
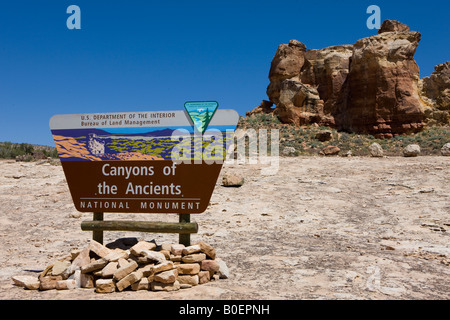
point(144, 162)
point(97, 235)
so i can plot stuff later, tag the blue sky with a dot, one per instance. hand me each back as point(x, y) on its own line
point(156, 55)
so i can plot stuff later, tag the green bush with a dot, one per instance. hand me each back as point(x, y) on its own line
point(9, 150)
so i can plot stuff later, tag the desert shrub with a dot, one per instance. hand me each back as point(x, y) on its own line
point(25, 151)
point(10, 150)
point(304, 139)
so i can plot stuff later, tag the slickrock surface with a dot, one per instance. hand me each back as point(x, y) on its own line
point(321, 228)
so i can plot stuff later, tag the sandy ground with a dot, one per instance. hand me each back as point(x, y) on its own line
point(321, 228)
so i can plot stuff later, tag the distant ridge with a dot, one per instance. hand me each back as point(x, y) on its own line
point(36, 147)
point(41, 147)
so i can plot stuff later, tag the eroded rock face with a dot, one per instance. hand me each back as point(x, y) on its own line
point(288, 61)
point(296, 102)
point(382, 88)
point(369, 87)
point(435, 92)
point(392, 26)
point(327, 70)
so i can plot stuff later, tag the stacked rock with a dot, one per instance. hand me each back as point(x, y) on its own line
point(144, 266)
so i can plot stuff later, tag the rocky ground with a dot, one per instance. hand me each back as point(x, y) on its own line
point(321, 228)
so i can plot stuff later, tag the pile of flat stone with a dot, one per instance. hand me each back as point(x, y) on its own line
point(144, 266)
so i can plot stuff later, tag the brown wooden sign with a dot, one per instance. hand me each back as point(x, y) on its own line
point(142, 162)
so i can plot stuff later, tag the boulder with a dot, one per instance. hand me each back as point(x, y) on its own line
point(94, 265)
point(28, 282)
point(195, 257)
point(82, 259)
point(116, 254)
point(411, 150)
point(177, 249)
point(86, 280)
point(61, 268)
point(224, 272)
point(128, 280)
point(125, 270)
point(376, 150)
point(445, 150)
point(169, 276)
point(49, 282)
point(164, 266)
point(98, 248)
point(231, 180)
point(207, 249)
point(330, 151)
point(210, 265)
point(392, 26)
point(142, 284)
point(68, 284)
point(188, 268)
point(192, 280)
point(288, 151)
point(160, 286)
point(105, 286)
point(192, 249)
point(109, 270)
point(204, 277)
point(153, 256)
point(139, 247)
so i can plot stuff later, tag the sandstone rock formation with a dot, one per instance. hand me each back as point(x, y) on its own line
point(392, 26)
point(382, 88)
point(369, 87)
point(435, 92)
point(231, 180)
point(295, 101)
point(327, 70)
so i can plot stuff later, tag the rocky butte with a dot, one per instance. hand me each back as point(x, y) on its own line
point(371, 87)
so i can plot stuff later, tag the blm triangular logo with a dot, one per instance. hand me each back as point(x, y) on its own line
point(201, 113)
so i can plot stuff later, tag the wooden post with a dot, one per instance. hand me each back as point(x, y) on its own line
point(97, 235)
point(184, 228)
point(185, 238)
point(140, 226)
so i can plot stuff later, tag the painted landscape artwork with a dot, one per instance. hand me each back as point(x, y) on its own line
point(167, 144)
